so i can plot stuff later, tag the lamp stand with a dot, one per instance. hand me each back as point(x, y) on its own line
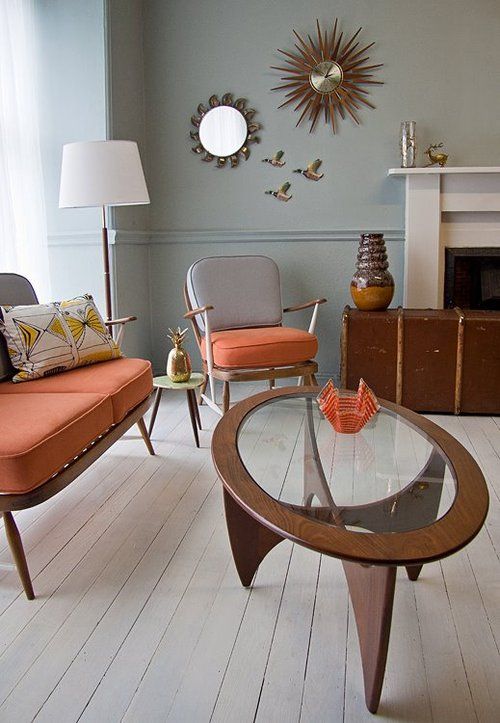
point(107, 277)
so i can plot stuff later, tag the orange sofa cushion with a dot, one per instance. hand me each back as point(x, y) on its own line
point(40, 433)
point(272, 346)
point(126, 381)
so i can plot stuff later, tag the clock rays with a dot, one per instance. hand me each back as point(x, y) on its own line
point(327, 75)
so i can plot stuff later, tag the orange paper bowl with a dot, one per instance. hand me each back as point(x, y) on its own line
point(348, 412)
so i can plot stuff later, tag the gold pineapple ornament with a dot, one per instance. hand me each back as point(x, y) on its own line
point(178, 362)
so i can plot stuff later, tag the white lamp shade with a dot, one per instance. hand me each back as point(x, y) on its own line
point(102, 173)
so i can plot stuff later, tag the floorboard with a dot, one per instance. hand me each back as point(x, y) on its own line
point(140, 615)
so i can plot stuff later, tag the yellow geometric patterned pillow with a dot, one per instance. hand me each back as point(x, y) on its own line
point(45, 339)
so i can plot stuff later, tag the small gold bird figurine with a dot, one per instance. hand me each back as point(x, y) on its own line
point(281, 193)
point(276, 159)
point(434, 158)
point(311, 169)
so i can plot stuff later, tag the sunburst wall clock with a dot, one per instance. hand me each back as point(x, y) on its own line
point(327, 74)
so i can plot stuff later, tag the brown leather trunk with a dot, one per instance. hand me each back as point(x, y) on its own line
point(428, 360)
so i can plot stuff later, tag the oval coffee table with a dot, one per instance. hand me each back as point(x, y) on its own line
point(402, 492)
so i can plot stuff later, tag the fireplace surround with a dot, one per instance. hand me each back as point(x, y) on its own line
point(450, 207)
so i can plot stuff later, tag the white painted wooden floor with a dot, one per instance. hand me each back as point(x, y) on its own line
point(140, 616)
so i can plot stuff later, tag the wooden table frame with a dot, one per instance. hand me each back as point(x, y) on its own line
point(257, 522)
point(194, 412)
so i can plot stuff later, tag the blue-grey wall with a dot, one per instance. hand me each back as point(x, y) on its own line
point(72, 104)
point(438, 70)
point(164, 58)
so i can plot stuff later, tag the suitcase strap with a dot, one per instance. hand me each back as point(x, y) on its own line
point(460, 360)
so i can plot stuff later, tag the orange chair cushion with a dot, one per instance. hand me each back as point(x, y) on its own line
point(126, 381)
point(272, 346)
point(40, 433)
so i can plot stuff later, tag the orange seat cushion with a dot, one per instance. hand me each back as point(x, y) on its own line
point(272, 346)
point(126, 381)
point(40, 433)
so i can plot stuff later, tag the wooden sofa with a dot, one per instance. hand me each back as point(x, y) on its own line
point(52, 429)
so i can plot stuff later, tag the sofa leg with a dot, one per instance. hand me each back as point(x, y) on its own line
point(145, 435)
point(16, 547)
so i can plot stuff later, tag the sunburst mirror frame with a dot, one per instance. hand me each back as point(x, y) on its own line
point(240, 104)
point(346, 66)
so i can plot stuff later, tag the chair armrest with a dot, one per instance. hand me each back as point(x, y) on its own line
point(120, 324)
point(194, 312)
point(307, 305)
point(125, 320)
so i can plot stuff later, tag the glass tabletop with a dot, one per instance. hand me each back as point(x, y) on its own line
point(390, 477)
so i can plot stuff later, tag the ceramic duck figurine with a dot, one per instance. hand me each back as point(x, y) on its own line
point(310, 171)
point(281, 193)
point(434, 158)
point(276, 159)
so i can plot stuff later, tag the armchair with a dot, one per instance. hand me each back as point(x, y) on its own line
point(234, 305)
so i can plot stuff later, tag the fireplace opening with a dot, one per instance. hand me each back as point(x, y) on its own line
point(472, 278)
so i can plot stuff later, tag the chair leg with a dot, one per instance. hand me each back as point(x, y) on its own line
point(145, 435)
point(16, 547)
point(314, 380)
point(225, 397)
point(203, 388)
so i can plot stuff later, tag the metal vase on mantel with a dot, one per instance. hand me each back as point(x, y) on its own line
point(407, 144)
point(372, 286)
point(178, 362)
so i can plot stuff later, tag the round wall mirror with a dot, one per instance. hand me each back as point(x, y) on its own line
point(224, 130)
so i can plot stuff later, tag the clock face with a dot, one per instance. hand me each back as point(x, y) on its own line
point(326, 76)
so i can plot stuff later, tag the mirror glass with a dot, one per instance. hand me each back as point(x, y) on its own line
point(223, 131)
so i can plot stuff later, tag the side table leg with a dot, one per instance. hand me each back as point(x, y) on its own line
point(195, 407)
point(155, 410)
point(250, 541)
point(192, 414)
point(372, 595)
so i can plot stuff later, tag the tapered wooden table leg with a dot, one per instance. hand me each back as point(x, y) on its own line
point(191, 399)
point(16, 547)
point(159, 392)
point(250, 541)
point(413, 571)
point(195, 407)
point(372, 595)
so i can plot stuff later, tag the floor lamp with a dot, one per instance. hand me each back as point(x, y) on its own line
point(102, 173)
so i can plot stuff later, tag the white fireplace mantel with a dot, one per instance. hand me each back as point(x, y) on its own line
point(445, 207)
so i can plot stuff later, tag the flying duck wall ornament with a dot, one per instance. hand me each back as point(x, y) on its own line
point(276, 160)
point(310, 171)
point(281, 194)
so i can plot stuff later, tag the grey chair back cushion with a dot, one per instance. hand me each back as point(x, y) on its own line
point(244, 291)
point(15, 290)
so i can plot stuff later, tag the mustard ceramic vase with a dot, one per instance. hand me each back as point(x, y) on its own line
point(372, 286)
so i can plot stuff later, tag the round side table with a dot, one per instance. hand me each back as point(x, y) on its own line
point(164, 382)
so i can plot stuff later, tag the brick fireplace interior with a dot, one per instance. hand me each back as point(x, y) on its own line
point(472, 278)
